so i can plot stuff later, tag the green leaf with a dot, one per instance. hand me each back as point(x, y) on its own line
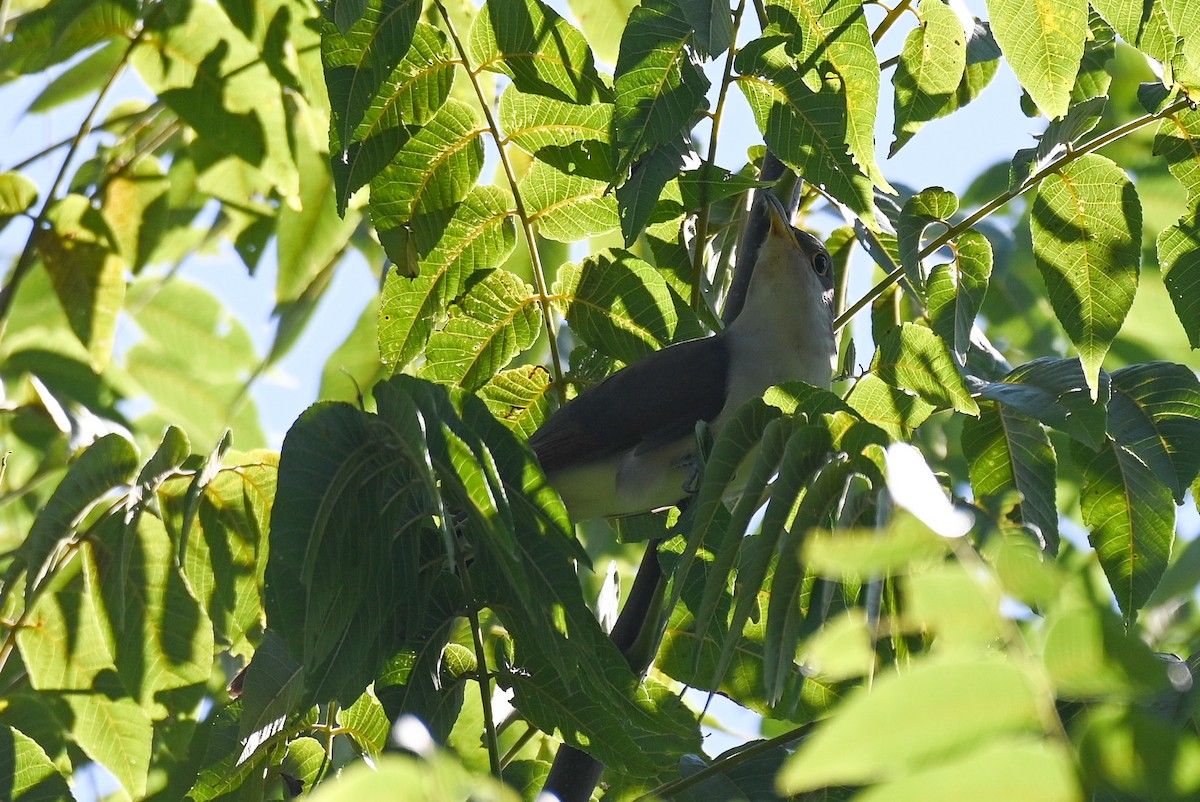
point(81, 256)
point(603, 22)
point(206, 71)
point(713, 25)
point(1155, 414)
point(855, 554)
point(933, 205)
point(914, 358)
point(224, 552)
point(949, 707)
point(1179, 260)
point(32, 777)
point(955, 292)
point(17, 194)
point(498, 318)
point(807, 129)
point(1130, 516)
point(1087, 223)
point(637, 198)
point(366, 723)
point(426, 779)
point(136, 208)
point(1169, 767)
point(64, 645)
point(1044, 45)
point(1053, 391)
point(480, 236)
point(1006, 450)
point(622, 306)
point(542, 53)
point(162, 638)
point(433, 171)
point(1099, 50)
point(1009, 768)
point(961, 607)
point(1089, 654)
point(367, 69)
point(567, 208)
point(519, 398)
point(834, 36)
point(115, 732)
point(1178, 140)
point(659, 85)
point(106, 465)
point(895, 411)
point(312, 238)
point(80, 79)
point(45, 35)
point(571, 138)
point(931, 68)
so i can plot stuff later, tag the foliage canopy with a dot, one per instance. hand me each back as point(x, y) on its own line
point(401, 555)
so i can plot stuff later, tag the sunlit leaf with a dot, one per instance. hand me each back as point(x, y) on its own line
point(1056, 140)
point(1044, 45)
point(386, 75)
point(895, 411)
point(602, 22)
point(932, 66)
point(1179, 260)
point(807, 129)
point(542, 53)
point(34, 777)
point(433, 171)
point(659, 84)
point(17, 194)
point(1087, 224)
point(835, 35)
point(519, 397)
point(1178, 140)
point(914, 358)
point(956, 290)
point(479, 236)
point(622, 306)
point(495, 320)
point(949, 708)
point(567, 208)
point(930, 206)
point(572, 138)
point(84, 264)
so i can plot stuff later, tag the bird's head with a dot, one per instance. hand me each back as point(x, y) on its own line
point(793, 263)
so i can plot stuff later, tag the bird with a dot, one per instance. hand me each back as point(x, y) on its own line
point(627, 445)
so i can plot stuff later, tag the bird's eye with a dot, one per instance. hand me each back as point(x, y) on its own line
point(822, 264)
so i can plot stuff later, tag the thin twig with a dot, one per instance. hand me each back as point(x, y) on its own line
point(703, 215)
point(1000, 200)
point(26, 260)
point(535, 259)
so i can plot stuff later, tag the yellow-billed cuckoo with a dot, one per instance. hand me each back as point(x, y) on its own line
point(627, 445)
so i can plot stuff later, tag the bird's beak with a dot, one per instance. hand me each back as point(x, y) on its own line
point(781, 223)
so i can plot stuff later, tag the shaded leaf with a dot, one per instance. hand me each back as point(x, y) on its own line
point(1155, 414)
point(572, 138)
point(1056, 140)
point(933, 205)
point(1130, 516)
point(32, 775)
point(1006, 450)
point(1053, 391)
